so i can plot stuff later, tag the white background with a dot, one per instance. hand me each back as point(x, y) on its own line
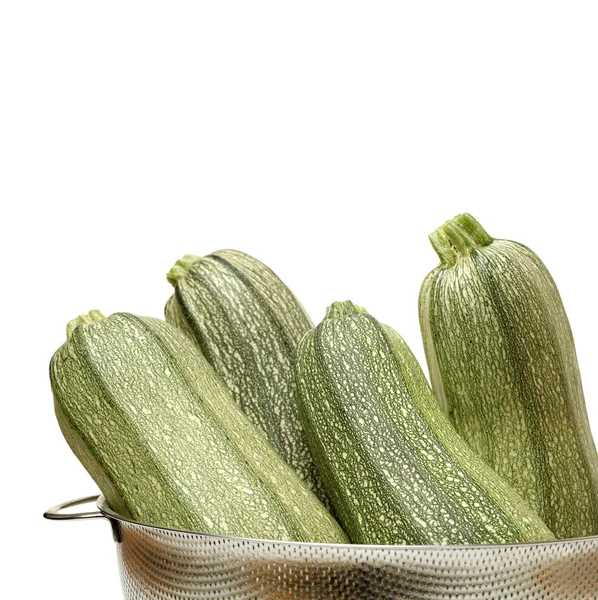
point(327, 139)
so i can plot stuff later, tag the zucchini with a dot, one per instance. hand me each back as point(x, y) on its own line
point(503, 366)
point(247, 323)
point(395, 468)
point(159, 432)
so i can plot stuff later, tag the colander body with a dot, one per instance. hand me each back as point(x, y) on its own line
point(157, 563)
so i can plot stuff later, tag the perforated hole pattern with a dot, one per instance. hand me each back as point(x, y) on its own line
point(165, 564)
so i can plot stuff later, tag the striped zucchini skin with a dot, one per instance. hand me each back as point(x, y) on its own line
point(395, 468)
point(248, 324)
point(160, 433)
point(503, 365)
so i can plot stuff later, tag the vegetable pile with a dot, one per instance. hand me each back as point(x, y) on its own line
point(236, 416)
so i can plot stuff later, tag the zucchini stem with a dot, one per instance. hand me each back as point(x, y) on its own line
point(340, 309)
point(93, 316)
point(458, 237)
point(181, 268)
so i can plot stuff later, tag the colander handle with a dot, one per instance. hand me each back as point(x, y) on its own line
point(55, 513)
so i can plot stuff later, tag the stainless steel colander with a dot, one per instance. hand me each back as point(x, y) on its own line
point(167, 564)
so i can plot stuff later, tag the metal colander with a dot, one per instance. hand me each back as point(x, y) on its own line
point(167, 564)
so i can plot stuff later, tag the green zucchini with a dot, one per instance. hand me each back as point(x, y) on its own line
point(160, 433)
point(247, 323)
point(394, 466)
point(503, 366)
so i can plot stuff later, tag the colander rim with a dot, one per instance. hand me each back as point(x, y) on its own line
point(105, 509)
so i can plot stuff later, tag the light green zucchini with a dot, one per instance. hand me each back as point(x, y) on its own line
point(247, 323)
point(394, 466)
point(162, 436)
point(503, 366)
